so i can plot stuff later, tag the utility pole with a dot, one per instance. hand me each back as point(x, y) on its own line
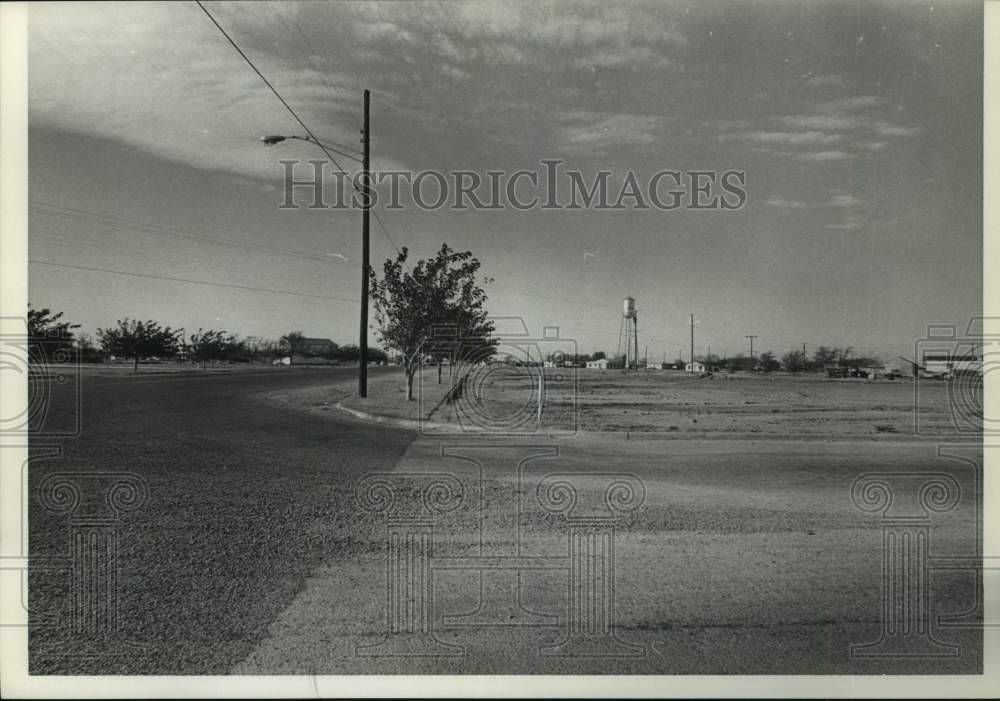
point(365, 230)
point(692, 343)
point(751, 352)
point(635, 334)
point(708, 359)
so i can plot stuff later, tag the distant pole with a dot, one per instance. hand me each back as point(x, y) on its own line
point(365, 231)
point(709, 359)
point(751, 352)
point(635, 334)
point(692, 343)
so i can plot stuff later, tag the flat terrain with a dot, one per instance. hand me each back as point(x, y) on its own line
point(778, 404)
point(255, 554)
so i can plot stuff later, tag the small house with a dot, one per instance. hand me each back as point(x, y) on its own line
point(601, 364)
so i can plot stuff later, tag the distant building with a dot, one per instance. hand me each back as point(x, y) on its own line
point(601, 364)
point(316, 346)
point(694, 367)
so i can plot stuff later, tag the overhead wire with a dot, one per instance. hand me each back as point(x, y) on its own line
point(193, 282)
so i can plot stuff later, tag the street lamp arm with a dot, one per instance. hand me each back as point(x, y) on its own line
point(273, 139)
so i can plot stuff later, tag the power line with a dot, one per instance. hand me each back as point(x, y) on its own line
point(267, 83)
point(288, 107)
point(384, 230)
point(174, 256)
point(118, 222)
point(192, 282)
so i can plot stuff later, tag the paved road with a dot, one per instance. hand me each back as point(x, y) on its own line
point(236, 490)
point(252, 555)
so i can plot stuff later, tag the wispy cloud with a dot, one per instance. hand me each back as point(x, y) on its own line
point(586, 130)
point(802, 138)
point(837, 200)
point(825, 81)
point(780, 203)
point(824, 156)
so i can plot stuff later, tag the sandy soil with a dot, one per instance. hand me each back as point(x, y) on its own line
point(744, 557)
point(665, 401)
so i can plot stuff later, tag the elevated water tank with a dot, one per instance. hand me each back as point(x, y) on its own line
point(628, 307)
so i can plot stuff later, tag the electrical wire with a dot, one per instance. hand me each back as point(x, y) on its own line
point(81, 215)
point(192, 282)
point(287, 106)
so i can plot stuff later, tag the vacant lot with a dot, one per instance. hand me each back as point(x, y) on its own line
point(676, 402)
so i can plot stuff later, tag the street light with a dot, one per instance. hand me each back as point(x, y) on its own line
point(365, 162)
point(272, 139)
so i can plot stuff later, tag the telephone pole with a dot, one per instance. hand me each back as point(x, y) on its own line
point(751, 352)
point(692, 343)
point(365, 230)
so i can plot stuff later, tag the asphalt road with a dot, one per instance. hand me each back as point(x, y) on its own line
point(228, 534)
point(252, 554)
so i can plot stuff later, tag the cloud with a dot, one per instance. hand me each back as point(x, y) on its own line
point(625, 56)
point(806, 138)
point(848, 224)
point(886, 129)
point(837, 200)
point(598, 131)
point(825, 81)
point(841, 200)
point(823, 122)
point(167, 82)
point(873, 146)
point(850, 104)
point(779, 203)
point(825, 156)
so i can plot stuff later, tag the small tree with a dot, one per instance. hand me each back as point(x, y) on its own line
point(213, 345)
point(768, 362)
point(89, 352)
point(794, 360)
point(136, 339)
point(412, 308)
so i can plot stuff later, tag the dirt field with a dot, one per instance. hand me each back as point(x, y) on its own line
point(676, 402)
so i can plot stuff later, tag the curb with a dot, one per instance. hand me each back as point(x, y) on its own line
point(457, 429)
point(392, 420)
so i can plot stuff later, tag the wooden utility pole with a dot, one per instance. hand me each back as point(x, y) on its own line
point(751, 352)
point(692, 343)
point(635, 335)
point(365, 231)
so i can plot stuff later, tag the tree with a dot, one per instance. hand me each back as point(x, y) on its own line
point(136, 339)
point(89, 352)
point(824, 356)
point(741, 363)
point(213, 345)
point(412, 308)
point(794, 360)
point(293, 342)
point(768, 362)
point(47, 334)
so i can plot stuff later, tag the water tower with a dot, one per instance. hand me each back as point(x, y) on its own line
point(629, 333)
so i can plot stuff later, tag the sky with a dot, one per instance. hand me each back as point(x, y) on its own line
point(857, 124)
